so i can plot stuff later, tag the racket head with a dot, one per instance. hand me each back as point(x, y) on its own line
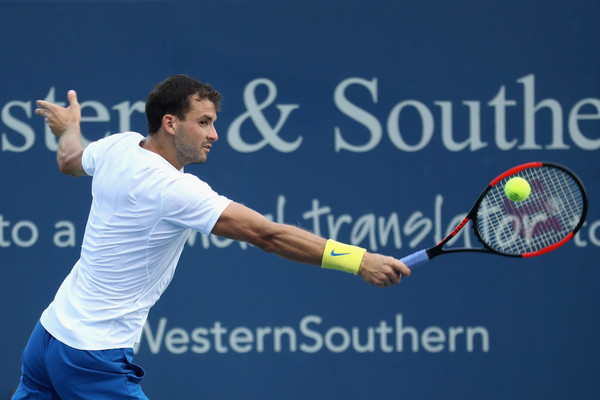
point(548, 218)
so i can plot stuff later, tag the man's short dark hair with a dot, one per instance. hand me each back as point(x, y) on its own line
point(172, 96)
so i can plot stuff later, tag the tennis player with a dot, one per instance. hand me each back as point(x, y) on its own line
point(143, 209)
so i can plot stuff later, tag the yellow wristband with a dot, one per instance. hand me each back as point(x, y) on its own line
point(343, 257)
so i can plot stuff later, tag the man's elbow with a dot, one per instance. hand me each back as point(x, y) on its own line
point(71, 167)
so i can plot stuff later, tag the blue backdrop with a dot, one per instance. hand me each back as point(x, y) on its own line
point(373, 122)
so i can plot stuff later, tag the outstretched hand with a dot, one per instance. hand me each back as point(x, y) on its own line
point(59, 118)
point(382, 271)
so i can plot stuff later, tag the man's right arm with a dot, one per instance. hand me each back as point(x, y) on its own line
point(239, 222)
point(65, 123)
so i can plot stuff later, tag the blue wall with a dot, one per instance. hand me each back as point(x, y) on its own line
point(346, 118)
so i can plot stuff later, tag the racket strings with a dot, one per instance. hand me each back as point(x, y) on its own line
point(546, 217)
point(549, 185)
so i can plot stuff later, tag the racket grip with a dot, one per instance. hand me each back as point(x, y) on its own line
point(415, 259)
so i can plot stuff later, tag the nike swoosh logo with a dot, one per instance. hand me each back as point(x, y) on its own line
point(334, 254)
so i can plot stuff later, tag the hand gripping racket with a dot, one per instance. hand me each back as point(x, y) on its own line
point(554, 211)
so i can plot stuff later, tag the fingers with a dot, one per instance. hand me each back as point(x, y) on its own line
point(393, 273)
point(72, 97)
point(58, 118)
point(402, 269)
point(388, 280)
point(45, 107)
point(46, 110)
point(382, 271)
point(385, 276)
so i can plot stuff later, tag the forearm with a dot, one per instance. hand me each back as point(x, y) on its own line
point(242, 223)
point(295, 244)
point(70, 150)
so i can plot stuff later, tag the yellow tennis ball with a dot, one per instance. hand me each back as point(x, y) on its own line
point(517, 189)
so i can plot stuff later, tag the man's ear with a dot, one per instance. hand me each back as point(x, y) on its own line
point(168, 122)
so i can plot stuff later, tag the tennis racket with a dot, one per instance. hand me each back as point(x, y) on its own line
point(554, 211)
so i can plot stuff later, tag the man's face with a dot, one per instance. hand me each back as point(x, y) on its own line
point(195, 134)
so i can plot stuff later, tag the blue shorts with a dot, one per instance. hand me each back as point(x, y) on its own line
point(53, 370)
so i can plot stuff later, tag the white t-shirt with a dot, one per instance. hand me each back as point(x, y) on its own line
point(142, 212)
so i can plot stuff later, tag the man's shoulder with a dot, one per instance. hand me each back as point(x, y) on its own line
point(122, 136)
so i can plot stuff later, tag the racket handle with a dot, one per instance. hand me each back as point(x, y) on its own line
point(415, 259)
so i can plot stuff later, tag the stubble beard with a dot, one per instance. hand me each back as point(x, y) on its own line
point(186, 154)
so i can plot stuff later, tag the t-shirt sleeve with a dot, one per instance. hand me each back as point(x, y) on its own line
point(89, 158)
point(191, 203)
point(94, 152)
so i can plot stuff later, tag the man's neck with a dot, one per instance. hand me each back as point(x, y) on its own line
point(154, 144)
